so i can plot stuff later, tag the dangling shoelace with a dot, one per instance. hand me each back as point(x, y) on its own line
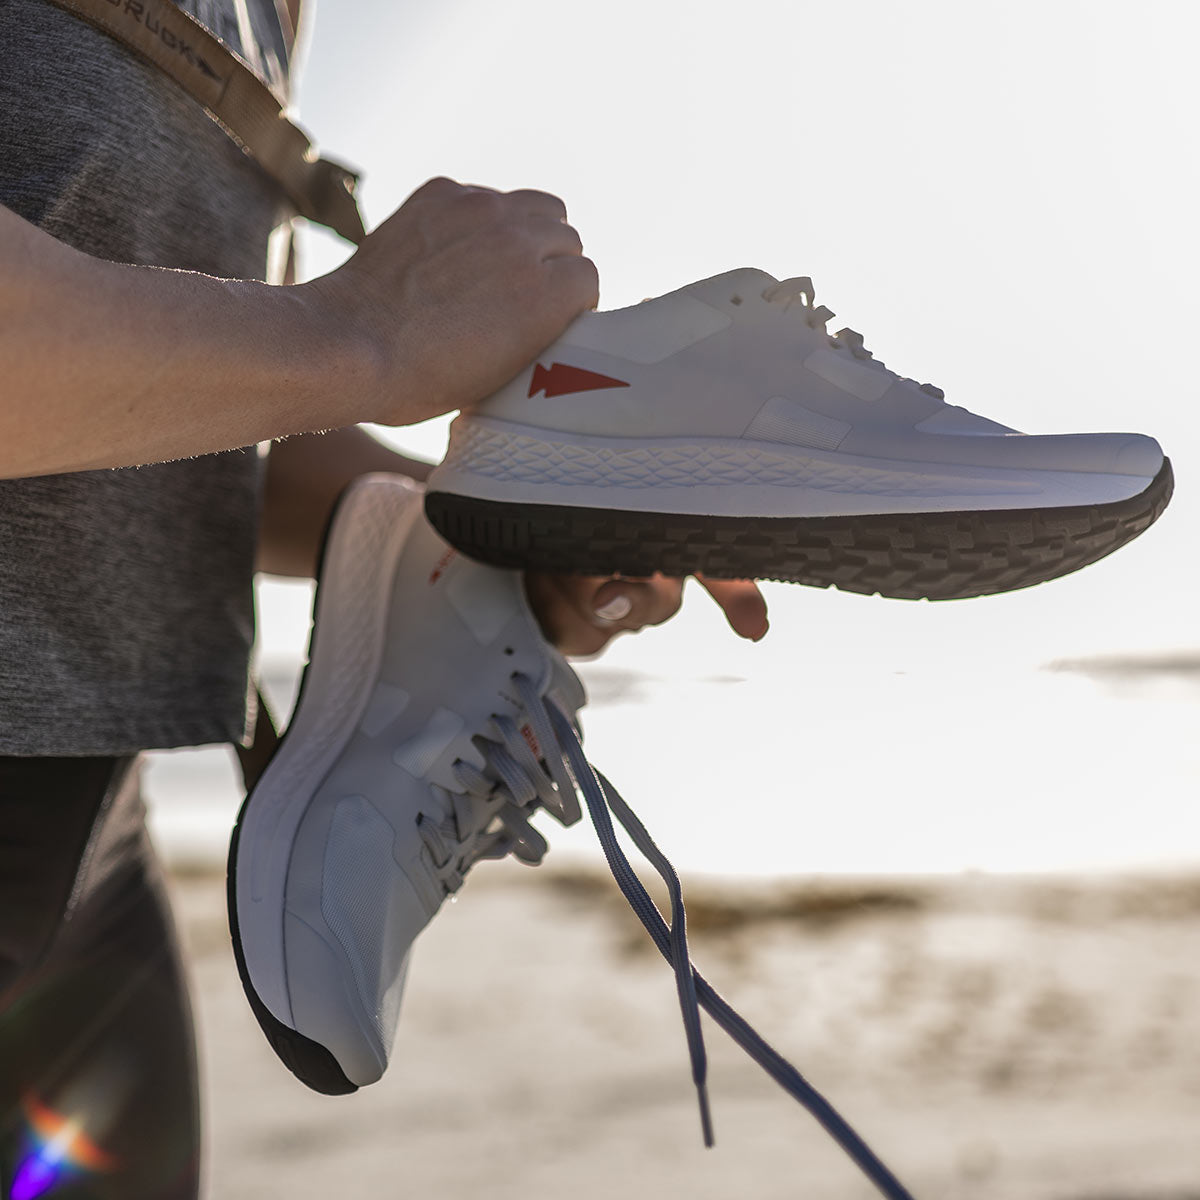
point(816, 316)
point(553, 728)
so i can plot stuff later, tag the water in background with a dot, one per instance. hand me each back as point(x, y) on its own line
point(907, 743)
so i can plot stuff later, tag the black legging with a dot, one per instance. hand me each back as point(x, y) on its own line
point(96, 1041)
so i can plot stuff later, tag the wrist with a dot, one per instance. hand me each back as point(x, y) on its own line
point(341, 359)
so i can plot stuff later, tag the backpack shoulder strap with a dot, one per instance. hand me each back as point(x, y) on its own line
point(241, 103)
point(253, 758)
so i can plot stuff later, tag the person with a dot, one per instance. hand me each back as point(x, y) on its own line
point(147, 359)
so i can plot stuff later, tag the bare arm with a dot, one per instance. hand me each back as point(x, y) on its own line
point(106, 365)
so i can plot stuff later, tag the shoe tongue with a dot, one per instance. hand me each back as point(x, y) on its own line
point(747, 283)
point(565, 685)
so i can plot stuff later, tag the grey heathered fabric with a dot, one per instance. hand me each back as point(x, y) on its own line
point(126, 614)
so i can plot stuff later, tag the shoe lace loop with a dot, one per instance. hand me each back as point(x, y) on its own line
point(603, 803)
point(788, 291)
point(489, 817)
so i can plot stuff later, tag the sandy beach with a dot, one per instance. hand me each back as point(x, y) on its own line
point(993, 1038)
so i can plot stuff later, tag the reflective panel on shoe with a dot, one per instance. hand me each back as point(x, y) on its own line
point(721, 429)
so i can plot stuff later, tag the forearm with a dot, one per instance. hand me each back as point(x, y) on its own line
point(106, 365)
point(305, 475)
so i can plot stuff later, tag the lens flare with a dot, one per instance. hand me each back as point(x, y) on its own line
point(58, 1147)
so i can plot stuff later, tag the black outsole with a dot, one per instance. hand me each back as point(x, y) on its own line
point(904, 556)
point(309, 1061)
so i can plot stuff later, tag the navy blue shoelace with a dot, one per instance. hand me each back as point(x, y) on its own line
point(695, 992)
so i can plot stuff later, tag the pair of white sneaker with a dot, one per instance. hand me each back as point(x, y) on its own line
point(732, 436)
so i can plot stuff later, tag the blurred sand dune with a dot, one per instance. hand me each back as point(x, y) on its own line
point(1031, 1039)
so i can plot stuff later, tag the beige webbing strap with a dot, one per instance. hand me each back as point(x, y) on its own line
point(240, 102)
point(253, 758)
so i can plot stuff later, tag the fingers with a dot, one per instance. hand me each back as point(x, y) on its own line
point(633, 604)
point(464, 208)
point(529, 199)
point(556, 604)
point(742, 603)
point(532, 224)
point(541, 203)
point(454, 294)
point(576, 281)
point(581, 614)
point(555, 237)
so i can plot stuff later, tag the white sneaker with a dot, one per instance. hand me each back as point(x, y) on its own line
point(385, 788)
point(720, 429)
point(433, 719)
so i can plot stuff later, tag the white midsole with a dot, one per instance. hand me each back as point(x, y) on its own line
point(351, 611)
point(495, 460)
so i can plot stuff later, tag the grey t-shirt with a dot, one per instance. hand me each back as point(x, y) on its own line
point(126, 614)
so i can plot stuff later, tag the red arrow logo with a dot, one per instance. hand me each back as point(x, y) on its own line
point(562, 380)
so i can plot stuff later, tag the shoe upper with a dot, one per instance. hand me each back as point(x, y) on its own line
point(442, 770)
point(743, 355)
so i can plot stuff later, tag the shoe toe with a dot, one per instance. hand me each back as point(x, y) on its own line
point(1138, 455)
point(1099, 454)
point(352, 916)
point(326, 1011)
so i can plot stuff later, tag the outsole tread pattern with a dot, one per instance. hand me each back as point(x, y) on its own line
point(907, 556)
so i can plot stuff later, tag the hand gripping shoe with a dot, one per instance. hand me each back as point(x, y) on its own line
point(433, 719)
point(720, 429)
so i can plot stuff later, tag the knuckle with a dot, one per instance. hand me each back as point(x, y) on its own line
point(554, 203)
point(589, 275)
point(526, 196)
point(486, 213)
point(440, 185)
point(575, 282)
point(670, 610)
point(668, 596)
